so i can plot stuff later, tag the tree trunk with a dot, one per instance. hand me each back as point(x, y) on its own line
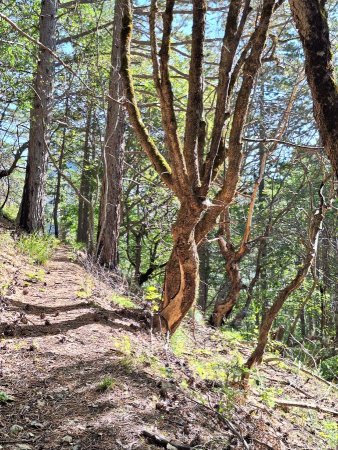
point(32, 207)
point(315, 227)
point(224, 308)
point(84, 226)
point(58, 180)
point(188, 174)
point(204, 272)
point(300, 316)
point(113, 156)
point(182, 271)
point(138, 255)
point(311, 21)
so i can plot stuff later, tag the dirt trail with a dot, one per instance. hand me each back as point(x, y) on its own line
point(62, 335)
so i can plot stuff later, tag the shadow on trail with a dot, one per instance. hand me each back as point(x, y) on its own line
point(112, 318)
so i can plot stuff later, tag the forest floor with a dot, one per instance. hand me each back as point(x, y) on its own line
point(83, 373)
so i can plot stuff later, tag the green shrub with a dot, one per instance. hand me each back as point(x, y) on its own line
point(329, 368)
point(124, 302)
point(38, 247)
point(178, 342)
point(330, 432)
point(10, 212)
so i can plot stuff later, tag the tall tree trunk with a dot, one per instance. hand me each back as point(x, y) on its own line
point(58, 179)
point(113, 156)
point(32, 206)
point(84, 227)
point(234, 256)
point(311, 21)
point(271, 314)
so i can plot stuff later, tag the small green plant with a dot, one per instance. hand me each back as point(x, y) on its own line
point(184, 385)
point(330, 432)
point(269, 396)
point(230, 397)
point(123, 344)
point(178, 342)
point(5, 398)
point(218, 368)
point(106, 383)
point(232, 336)
point(4, 286)
point(329, 368)
point(38, 247)
point(86, 289)
point(34, 277)
point(122, 301)
point(153, 296)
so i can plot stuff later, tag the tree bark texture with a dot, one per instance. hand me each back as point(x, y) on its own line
point(113, 156)
point(32, 206)
point(311, 21)
point(224, 307)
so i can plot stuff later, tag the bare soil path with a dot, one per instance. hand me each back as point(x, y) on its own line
point(63, 342)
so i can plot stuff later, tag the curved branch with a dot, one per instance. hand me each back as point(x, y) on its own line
point(7, 172)
point(159, 162)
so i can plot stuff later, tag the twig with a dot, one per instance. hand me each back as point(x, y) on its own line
point(303, 370)
point(225, 420)
point(296, 404)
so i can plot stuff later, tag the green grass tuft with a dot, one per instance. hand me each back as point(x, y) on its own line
point(106, 383)
point(38, 247)
point(5, 398)
point(123, 301)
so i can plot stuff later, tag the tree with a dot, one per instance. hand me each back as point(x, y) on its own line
point(113, 156)
point(191, 167)
point(32, 205)
point(85, 230)
point(311, 21)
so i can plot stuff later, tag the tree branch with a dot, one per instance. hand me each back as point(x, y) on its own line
point(7, 172)
point(159, 162)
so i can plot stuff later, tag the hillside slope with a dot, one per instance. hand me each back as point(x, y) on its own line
point(78, 371)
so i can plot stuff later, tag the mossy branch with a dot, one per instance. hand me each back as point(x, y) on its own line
point(159, 162)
